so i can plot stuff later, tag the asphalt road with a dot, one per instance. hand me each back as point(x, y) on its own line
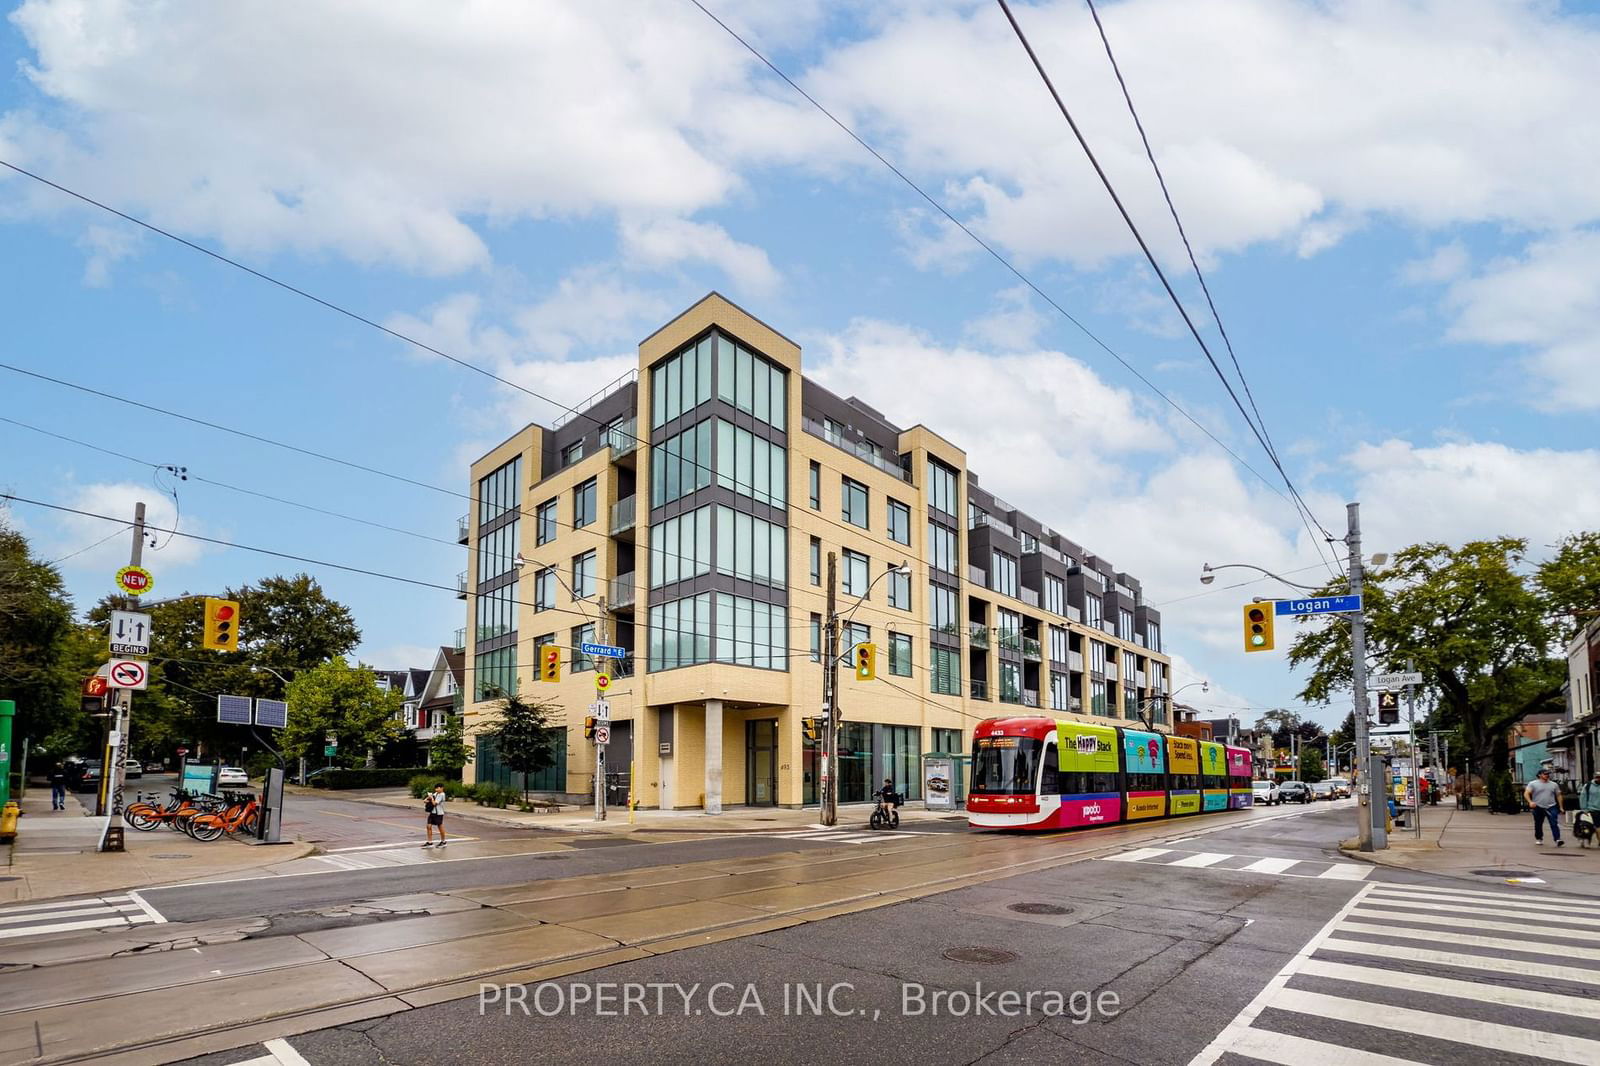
point(1149, 963)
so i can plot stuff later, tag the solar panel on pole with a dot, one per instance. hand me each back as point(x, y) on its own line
point(272, 713)
point(233, 710)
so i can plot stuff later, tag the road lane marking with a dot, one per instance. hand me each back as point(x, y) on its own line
point(1504, 995)
point(1419, 909)
point(1287, 1050)
point(1204, 858)
point(1520, 903)
point(1346, 871)
point(1139, 855)
point(1513, 1039)
point(1475, 921)
point(1492, 963)
point(1270, 866)
point(1495, 943)
point(154, 915)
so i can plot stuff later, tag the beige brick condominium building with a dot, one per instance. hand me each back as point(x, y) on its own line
point(687, 513)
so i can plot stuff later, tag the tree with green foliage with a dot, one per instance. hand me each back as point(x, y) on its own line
point(448, 750)
point(345, 701)
point(523, 737)
point(1570, 582)
point(37, 632)
point(1311, 768)
point(1480, 626)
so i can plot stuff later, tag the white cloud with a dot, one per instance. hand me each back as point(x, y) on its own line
point(667, 241)
point(399, 656)
point(1014, 324)
point(1547, 300)
point(1445, 263)
point(117, 499)
point(106, 247)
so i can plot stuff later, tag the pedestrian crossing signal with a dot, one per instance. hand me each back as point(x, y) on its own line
point(866, 656)
point(1388, 708)
point(221, 625)
point(812, 727)
point(1257, 627)
point(549, 662)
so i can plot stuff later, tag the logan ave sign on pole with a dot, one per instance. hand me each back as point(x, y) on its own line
point(1318, 605)
point(1394, 681)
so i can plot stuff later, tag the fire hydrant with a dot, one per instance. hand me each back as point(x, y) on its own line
point(8, 822)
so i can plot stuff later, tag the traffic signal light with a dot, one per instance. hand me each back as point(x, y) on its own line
point(1388, 708)
point(866, 656)
point(588, 728)
point(1257, 627)
point(549, 662)
point(812, 727)
point(222, 625)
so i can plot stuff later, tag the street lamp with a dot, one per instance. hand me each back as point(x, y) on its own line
point(828, 798)
point(1208, 574)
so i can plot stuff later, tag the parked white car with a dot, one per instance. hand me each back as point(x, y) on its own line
point(232, 777)
point(1265, 793)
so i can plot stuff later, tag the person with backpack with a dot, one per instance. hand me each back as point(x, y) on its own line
point(433, 803)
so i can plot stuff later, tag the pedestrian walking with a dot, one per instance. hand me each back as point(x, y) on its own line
point(58, 788)
point(434, 805)
point(1586, 821)
point(1545, 799)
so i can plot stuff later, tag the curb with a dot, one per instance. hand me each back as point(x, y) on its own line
point(289, 853)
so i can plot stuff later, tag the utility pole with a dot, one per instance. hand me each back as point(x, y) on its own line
point(1371, 801)
point(829, 795)
point(114, 770)
point(600, 662)
point(1416, 773)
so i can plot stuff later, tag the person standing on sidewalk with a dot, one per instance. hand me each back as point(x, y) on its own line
point(434, 805)
point(1589, 803)
point(58, 788)
point(1545, 799)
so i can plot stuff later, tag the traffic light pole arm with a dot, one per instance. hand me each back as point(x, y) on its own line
point(1207, 569)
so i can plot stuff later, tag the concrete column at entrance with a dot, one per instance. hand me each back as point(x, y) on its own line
point(713, 750)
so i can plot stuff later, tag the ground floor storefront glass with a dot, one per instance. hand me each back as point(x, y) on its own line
point(868, 753)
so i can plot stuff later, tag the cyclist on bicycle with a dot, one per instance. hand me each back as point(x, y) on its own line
point(887, 796)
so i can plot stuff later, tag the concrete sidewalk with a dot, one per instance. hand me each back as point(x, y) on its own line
point(581, 819)
point(55, 855)
point(1490, 849)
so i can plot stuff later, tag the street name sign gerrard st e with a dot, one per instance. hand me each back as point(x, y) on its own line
point(608, 651)
point(1393, 681)
point(1318, 605)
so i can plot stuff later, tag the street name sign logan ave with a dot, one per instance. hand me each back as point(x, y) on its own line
point(1392, 681)
point(1318, 605)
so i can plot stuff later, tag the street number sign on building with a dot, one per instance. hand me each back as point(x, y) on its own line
point(601, 711)
point(135, 580)
point(128, 673)
point(1318, 605)
point(602, 734)
point(1393, 680)
point(608, 651)
point(130, 633)
point(234, 710)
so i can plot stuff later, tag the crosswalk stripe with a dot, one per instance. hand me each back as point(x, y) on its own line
point(1139, 854)
point(1503, 995)
point(60, 927)
point(1345, 871)
point(53, 905)
point(1491, 963)
point(1497, 943)
point(1420, 908)
point(1499, 895)
point(1473, 921)
point(1270, 866)
point(1509, 1038)
point(1204, 858)
point(1464, 896)
point(1288, 1050)
point(100, 909)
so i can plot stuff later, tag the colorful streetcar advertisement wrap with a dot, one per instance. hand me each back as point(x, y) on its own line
point(1240, 792)
point(1213, 776)
point(1087, 758)
point(1183, 770)
point(1144, 766)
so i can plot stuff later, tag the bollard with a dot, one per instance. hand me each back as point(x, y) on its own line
point(8, 822)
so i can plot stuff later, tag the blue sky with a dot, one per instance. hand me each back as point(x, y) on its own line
point(1395, 205)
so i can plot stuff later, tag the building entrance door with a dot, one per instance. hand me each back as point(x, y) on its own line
point(761, 763)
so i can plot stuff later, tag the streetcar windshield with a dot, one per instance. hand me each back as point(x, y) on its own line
point(1005, 765)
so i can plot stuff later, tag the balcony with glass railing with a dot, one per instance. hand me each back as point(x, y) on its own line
point(1075, 660)
point(978, 575)
point(1031, 650)
point(1029, 597)
point(620, 592)
point(460, 643)
point(578, 409)
point(1111, 671)
point(1009, 640)
point(979, 689)
point(463, 529)
point(978, 635)
point(981, 518)
point(858, 449)
point(624, 514)
point(461, 585)
point(1030, 697)
point(622, 438)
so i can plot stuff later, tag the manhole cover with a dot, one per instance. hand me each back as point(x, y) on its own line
point(1038, 908)
point(173, 855)
point(986, 956)
point(1503, 873)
